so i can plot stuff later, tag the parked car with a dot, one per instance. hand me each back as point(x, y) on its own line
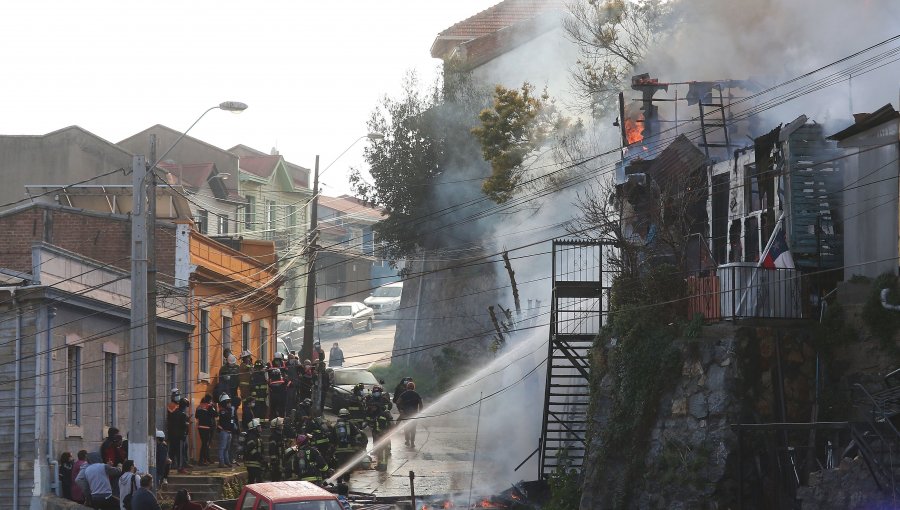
point(385, 300)
point(346, 318)
point(341, 382)
point(292, 495)
point(291, 328)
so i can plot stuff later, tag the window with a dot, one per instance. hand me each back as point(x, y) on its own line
point(171, 377)
point(249, 501)
point(291, 216)
point(356, 238)
point(73, 385)
point(270, 219)
point(109, 389)
point(250, 212)
point(223, 224)
point(226, 332)
point(263, 342)
point(204, 341)
point(202, 221)
point(245, 336)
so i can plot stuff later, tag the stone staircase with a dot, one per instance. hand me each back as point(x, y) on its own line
point(204, 484)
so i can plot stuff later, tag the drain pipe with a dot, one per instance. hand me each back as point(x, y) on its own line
point(18, 392)
point(52, 464)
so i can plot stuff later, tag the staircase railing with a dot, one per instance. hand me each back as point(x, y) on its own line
point(884, 432)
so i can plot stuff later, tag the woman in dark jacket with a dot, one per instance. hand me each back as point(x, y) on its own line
point(65, 474)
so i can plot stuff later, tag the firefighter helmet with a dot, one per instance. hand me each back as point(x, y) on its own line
point(232, 360)
point(279, 355)
point(276, 423)
point(160, 434)
point(344, 413)
point(224, 398)
point(259, 365)
point(254, 424)
point(175, 394)
point(246, 354)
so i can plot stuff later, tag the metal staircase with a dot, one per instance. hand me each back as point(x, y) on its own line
point(581, 280)
point(877, 439)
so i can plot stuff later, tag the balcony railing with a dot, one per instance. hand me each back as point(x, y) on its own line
point(744, 290)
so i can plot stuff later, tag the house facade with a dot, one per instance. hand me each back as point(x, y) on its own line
point(65, 328)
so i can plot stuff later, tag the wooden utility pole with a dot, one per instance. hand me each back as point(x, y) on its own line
point(309, 318)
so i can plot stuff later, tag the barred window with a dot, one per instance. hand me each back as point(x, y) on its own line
point(73, 385)
point(109, 389)
point(204, 341)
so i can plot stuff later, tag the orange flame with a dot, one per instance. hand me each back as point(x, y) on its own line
point(634, 130)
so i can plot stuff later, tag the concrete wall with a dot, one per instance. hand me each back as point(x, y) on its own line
point(870, 204)
point(61, 157)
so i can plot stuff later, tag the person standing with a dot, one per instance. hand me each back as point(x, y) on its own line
point(226, 427)
point(128, 482)
point(253, 453)
point(335, 356)
point(144, 499)
point(244, 374)
point(179, 424)
point(410, 405)
point(344, 437)
point(318, 353)
point(65, 474)
point(206, 423)
point(162, 459)
point(77, 495)
point(94, 482)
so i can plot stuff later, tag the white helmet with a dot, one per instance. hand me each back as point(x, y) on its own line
point(232, 360)
point(279, 355)
point(246, 354)
point(176, 395)
point(160, 434)
point(254, 424)
point(224, 398)
point(276, 422)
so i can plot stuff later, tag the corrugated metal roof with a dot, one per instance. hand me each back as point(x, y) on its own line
point(867, 121)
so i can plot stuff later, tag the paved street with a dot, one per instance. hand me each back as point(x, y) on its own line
point(365, 348)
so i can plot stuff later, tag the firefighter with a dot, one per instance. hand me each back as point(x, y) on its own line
point(278, 360)
point(229, 376)
point(227, 427)
point(253, 453)
point(320, 434)
point(244, 373)
point(357, 406)
point(278, 389)
point(378, 418)
point(276, 450)
point(259, 388)
point(345, 437)
point(308, 464)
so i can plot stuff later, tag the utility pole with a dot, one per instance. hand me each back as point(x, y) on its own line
point(137, 352)
point(309, 318)
point(151, 293)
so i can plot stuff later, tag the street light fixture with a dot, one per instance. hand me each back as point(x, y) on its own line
point(142, 418)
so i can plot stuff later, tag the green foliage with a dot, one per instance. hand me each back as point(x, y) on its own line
point(881, 322)
point(565, 490)
point(642, 364)
point(511, 130)
point(424, 134)
point(680, 464)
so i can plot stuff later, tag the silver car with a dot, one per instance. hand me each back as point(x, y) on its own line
point(345, 318)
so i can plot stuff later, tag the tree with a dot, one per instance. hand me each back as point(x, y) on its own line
point(613, 37)
point(426, 135)
point(511, 132)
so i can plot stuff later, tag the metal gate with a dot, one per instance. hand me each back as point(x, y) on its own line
point(579, 307)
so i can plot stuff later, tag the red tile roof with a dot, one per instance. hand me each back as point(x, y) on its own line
point(491, 20)
point(261, 166)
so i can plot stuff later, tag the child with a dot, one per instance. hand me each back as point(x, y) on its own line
point(162, 459)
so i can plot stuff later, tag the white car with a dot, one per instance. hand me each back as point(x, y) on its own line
point(385, 300)
point(347, 318)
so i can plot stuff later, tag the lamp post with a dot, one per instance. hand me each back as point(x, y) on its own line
point(309, 317)
point(142, 349)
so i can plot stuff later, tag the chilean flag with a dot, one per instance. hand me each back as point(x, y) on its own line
point(777, 253)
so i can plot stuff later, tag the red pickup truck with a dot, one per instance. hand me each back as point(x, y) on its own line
point(283, 496)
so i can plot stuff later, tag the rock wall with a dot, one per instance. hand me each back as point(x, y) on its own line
point(729, 375)
point(849, 487)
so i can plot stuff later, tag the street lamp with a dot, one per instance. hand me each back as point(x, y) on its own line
point(142, 418)
point(309, 317)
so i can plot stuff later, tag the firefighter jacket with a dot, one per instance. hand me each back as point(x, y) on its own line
point(379, 422)
point(259, 386)
point(276, 453)
point(309, 465)
point(278, 389)
point(253, 452)
point(244, 379)
point(345, 435)
point(229, 375)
